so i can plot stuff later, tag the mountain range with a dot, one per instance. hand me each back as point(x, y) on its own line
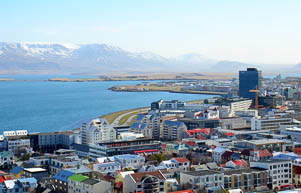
point(100, 58)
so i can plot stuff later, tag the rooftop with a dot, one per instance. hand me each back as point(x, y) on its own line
point(202, 173)
point(90, 181)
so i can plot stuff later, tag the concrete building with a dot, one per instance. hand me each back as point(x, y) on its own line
point(37, 173)
point(293, 132)
point(173, 130)
point(60, 181)
point(204, 180)
point(107, 167)
point(270, 144)
point(269, 123)
point(247, 179)
point(280, 171)
point(147, 182)
point(97, 131)
point(59, 163)
point(149, 125)
point(117, 147)
point(168, 105)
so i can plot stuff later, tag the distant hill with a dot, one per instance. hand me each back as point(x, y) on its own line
point(100, 58)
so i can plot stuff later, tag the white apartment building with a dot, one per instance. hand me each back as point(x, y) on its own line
point(269, 123)
point(18, 145)
point(97, 131)
point(84, 184)
point(280, 171)
point(240, 105)
point(205, 179)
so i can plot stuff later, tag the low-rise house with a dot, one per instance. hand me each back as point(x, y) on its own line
point(259, 155)
point(60, 181)
point(28, 184)
point(147, 182)
point(217, 154)
point(120, 177)
point(6, 159)
point(107, 167)
point(61, 162)
point(183, 163)
point(82, 184)
point(37, 173)
point(208, 180)
point(130, 160)
point(236, 164)
point(24, 185)
point(17, 171)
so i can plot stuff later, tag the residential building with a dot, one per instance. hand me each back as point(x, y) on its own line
point(130, 160)
point(167, 105)
point(247, 179)
point(6, 159)
point(251, 79)
point(173, 130)
point(217, 154)
point(209, 180)
point(97, 131)
point(280, 171)
point(59, 163)
point(37, 173)
point(83, 184)
point(24, 185)
point(18, 144)
point(147, 182)
point(60, 181)
point(148, 124)
point(107, 167)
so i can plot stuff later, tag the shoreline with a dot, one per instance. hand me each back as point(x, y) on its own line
point(116, 89)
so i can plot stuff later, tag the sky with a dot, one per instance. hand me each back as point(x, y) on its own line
point(253, 31)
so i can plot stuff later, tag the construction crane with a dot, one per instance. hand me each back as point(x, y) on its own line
point(256, 97)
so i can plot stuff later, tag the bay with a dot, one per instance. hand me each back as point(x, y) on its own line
point(42, 106)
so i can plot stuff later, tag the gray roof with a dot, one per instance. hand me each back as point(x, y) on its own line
point(90, 181)
point(243, 170)
point(202, 173)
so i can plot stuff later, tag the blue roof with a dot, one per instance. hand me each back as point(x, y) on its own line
point(30, 180)
point(291, 156)
point(173, 123)
point(135, 126)
point(16, 170)
point(128, 156)
point(140, 117)
point(63, 175)
point(109, 164)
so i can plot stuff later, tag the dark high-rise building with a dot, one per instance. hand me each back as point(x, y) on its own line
point(249, 80)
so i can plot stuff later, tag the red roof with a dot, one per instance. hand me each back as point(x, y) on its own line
point(240, 162)
point(297, 151)
point(184, 191)
point(195, 131)
point(265, 153)
point(229, 134)
point(181, 159)
point(145, 151)
point(190, 143)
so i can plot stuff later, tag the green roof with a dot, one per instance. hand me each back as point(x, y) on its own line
point(78, 178)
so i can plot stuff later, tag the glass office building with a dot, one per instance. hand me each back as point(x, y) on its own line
point(249, 80)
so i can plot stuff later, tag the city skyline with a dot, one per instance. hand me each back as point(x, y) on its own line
point(258, 32)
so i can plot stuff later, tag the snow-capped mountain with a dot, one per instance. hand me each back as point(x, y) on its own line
point(99, 58)
point(73, 58)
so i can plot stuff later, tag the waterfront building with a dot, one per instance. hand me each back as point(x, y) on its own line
point(251, 79)
point(168, 105)
point(97, 131)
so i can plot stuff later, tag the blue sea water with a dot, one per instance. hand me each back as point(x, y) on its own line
point(42, 106)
